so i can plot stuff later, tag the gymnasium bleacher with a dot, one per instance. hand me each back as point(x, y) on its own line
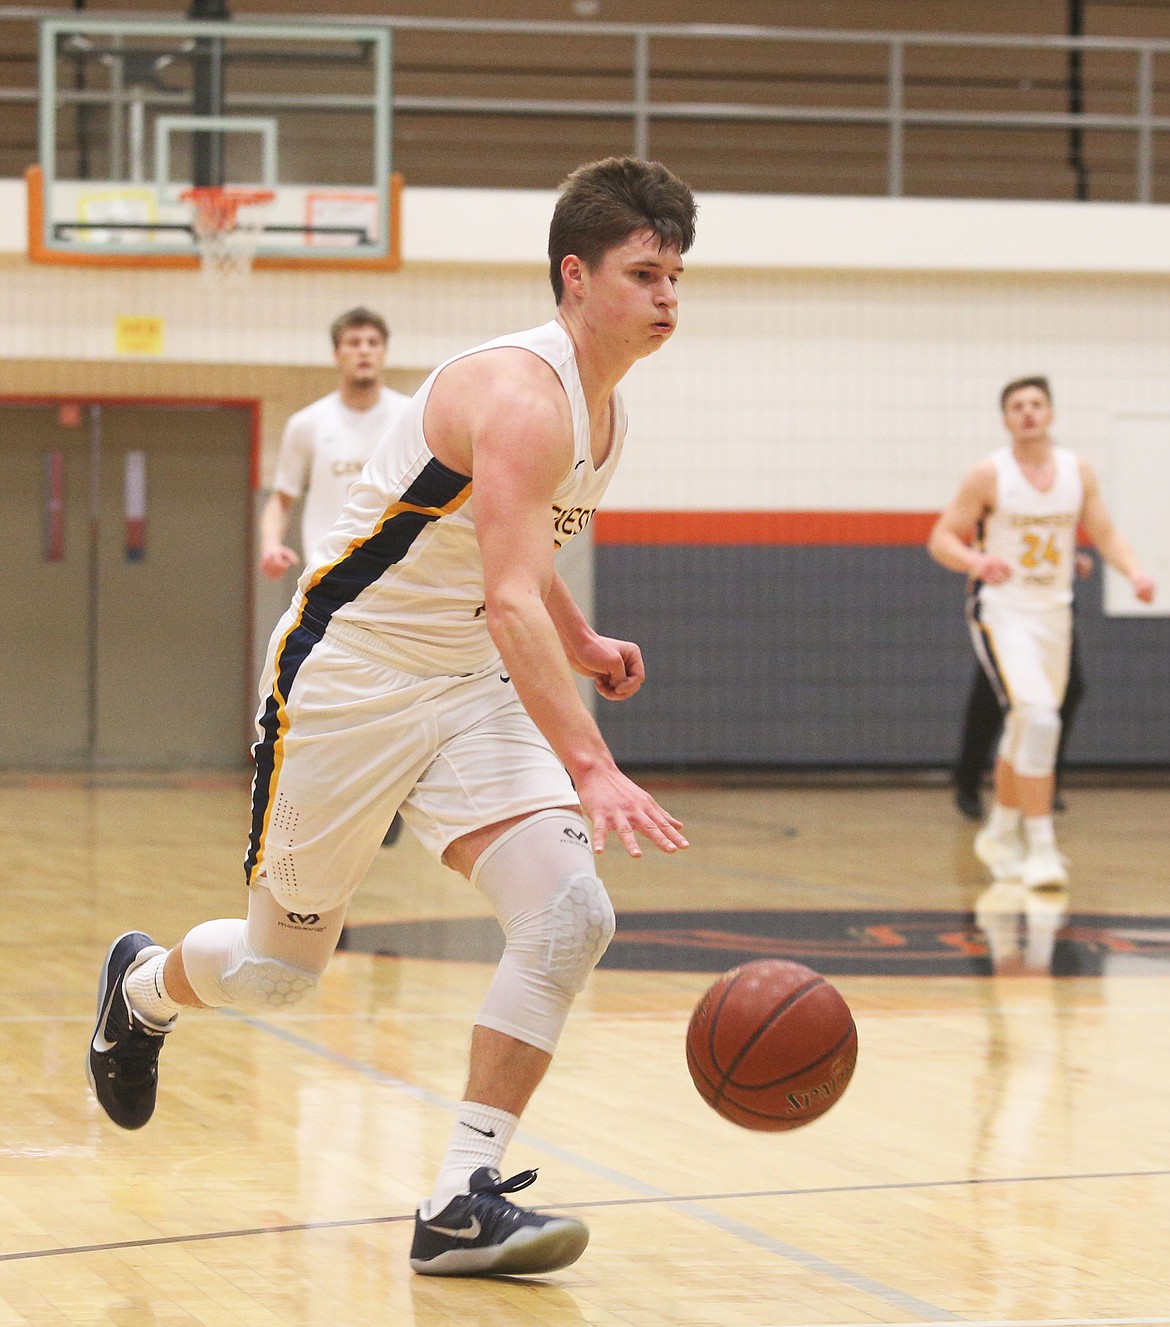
point(505, 101)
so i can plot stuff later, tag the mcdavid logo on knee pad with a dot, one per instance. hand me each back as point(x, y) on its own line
point(303, 918)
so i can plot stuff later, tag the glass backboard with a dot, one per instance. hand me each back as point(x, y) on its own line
point(135, 114)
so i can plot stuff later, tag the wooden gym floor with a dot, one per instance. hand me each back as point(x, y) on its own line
point(1000, 1157)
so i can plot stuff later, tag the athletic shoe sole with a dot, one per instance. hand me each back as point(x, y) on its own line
point(530, 1251)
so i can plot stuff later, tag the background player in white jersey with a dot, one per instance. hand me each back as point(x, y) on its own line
point(1012, 529)
point(427, 661)
point(325, 445)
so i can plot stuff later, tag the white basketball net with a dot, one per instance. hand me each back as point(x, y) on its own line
point(227, 224)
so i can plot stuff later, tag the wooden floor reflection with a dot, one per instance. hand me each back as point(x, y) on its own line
point(1001, 1155)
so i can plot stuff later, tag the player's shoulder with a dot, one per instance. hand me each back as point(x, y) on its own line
point(510, 384)
point(986, 470)
point(513, 408)
point(505, 375)
point(316, 410)
point(979, 488)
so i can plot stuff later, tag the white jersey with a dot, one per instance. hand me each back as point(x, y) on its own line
point(1035, 533)
point(403, 561)
point(323, 450)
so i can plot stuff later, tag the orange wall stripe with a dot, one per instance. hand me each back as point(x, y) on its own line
point(763, 527)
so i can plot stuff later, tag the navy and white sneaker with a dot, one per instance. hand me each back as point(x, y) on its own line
point(123, 1055)
point(482, 1234)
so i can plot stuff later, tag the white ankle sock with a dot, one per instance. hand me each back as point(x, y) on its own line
point(480, 1137)
point(147, 993)
point(1039, 832)
point(1004, 820)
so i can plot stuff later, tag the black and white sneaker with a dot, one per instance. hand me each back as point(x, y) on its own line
point(482, 1234)
point(123, 1056)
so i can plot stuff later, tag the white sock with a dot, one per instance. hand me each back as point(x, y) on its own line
point(1004, 820)
point(480, 1138)
point(1039, 832)
point(147, 993)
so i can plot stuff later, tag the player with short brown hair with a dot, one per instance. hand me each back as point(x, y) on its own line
point(427, 663)
point(1012, 530)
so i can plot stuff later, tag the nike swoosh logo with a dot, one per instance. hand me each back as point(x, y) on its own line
point(504, 677)
point(464, 1232)
point(100, 1044)
point(579, 464)
point(487, 1133)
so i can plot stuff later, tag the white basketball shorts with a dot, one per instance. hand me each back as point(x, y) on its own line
point(1025, 655)
point(346, 739)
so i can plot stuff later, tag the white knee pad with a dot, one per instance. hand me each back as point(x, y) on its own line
point(1031, 735)
point(578, 931)
point(223, 970)
point(557, 921)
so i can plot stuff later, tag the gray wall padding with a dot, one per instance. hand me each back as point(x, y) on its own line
point(840, 657)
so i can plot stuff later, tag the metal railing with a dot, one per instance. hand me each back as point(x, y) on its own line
point(642, 110)
point(895, 115)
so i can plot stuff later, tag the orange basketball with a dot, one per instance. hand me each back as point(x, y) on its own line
point(771, 1045)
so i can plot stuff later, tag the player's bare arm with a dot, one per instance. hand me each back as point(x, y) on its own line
point(1112, 546)
point(506, 421)
point(275, 556)
point(614, 665)
point(950, 541)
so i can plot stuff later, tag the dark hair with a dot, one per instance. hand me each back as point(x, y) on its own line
point(1016, 384)
point(601, 203)
point(358, 317)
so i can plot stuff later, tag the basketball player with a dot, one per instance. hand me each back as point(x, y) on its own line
point(427, 661)
point(1026, 501)
point(326, 444)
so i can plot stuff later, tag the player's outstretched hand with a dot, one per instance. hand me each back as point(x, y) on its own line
point(616, 804)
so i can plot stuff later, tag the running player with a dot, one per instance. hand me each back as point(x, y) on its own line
point(427, 661)
point(326, 444)
point(1012, 528)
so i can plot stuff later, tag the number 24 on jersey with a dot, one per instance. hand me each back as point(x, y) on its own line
point(1039, 548)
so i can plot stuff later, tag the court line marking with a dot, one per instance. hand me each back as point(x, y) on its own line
point(895, 1187)
point(201, 1237)
point(672, 1199)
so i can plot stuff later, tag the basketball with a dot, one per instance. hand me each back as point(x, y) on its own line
point(771, 1045)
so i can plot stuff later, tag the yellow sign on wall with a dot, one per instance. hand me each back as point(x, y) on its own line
point(134, 335)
